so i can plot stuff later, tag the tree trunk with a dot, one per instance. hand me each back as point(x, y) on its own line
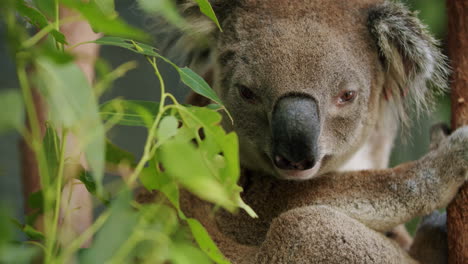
point(457, 212)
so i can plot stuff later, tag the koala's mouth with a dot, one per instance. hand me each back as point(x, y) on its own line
point(299, 175)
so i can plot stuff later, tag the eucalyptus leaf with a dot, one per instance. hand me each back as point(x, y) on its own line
point(51, 145)
point(114, 233)
point(129, 112)
point(18, 254)
point(104, 23)
point(33, 233)
point(197, 84)
point(87, 179)
point(134, 46)
point(107, 7)
point(149, 178)
point(72, 105)
point(47, 7)
point(36, 200)
point(164, 8)
point(167, 128)
point(6, 226)
point(186, 253)
point(116, 155)
point(205, 8)
point(192, 172)
point(216, 145)
point(49, 49)
point(13, 115)
point(187, 76)
point(39, 20)
point(154, 179)
point(205, 242)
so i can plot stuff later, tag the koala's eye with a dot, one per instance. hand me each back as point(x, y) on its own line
point(247, 94)
point(346, 97)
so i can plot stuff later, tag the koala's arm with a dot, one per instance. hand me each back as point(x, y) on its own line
point(382, 199)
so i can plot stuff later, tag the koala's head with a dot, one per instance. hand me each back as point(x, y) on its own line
point(308, 81)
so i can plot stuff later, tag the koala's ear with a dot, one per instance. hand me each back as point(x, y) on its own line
point(410, 56)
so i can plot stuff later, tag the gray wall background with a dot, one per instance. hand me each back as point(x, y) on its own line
point(141, 84)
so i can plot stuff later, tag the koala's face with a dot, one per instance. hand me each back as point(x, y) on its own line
point(303, 92)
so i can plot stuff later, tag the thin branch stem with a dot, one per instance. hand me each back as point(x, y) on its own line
point(58, 193)
point(33, 40)
point(77, 242)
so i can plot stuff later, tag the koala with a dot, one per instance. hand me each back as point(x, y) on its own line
point(317, 91)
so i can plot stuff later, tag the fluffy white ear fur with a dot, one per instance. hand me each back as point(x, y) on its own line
point(410, 55)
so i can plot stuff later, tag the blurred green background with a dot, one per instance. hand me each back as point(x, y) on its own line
point(140, 84)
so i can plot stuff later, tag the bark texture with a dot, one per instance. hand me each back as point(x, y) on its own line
point(457, 212)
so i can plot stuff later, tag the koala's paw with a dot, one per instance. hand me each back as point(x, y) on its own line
point(434, 223)
point(438, 133)
point(450, 152)
point(430, 242)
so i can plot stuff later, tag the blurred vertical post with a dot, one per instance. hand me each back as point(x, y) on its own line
point(77, 204)
point(457, 212)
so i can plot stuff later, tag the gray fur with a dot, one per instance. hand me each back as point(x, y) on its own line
point(319, 49)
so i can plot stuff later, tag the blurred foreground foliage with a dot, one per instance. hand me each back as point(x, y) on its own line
point(186, 148)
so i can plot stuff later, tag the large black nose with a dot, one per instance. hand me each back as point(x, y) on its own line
point(295, 130)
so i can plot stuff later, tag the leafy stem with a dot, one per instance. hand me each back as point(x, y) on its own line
point(36, 145)
point(58, 195)
point(46, 30)
point(57, 22)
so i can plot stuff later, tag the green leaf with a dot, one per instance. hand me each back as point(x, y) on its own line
point(36, 204)
point(129, 112)
point(205, 242)
point(137, 47)
point(51, 144)
point(72, 105)
point(186, 253)
point(187, 76)
point(87, 179)
point(36, 18)
point(46, 6)
point(18, 254)
point(114, 233)
point(102, 22)
point(90, 183)
point(6, 226)
point(197, 84)
point(205, 8)
point(107, 7)
point(153, 179)
point(11, 252)
point(13, 115)
point(149, 179)
point(48, 49)
point(116, 155)
point(164, 8)
point(32, 233)
point(220, 150)
point(36, 200)
point(167, 128)
point(194, 175)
